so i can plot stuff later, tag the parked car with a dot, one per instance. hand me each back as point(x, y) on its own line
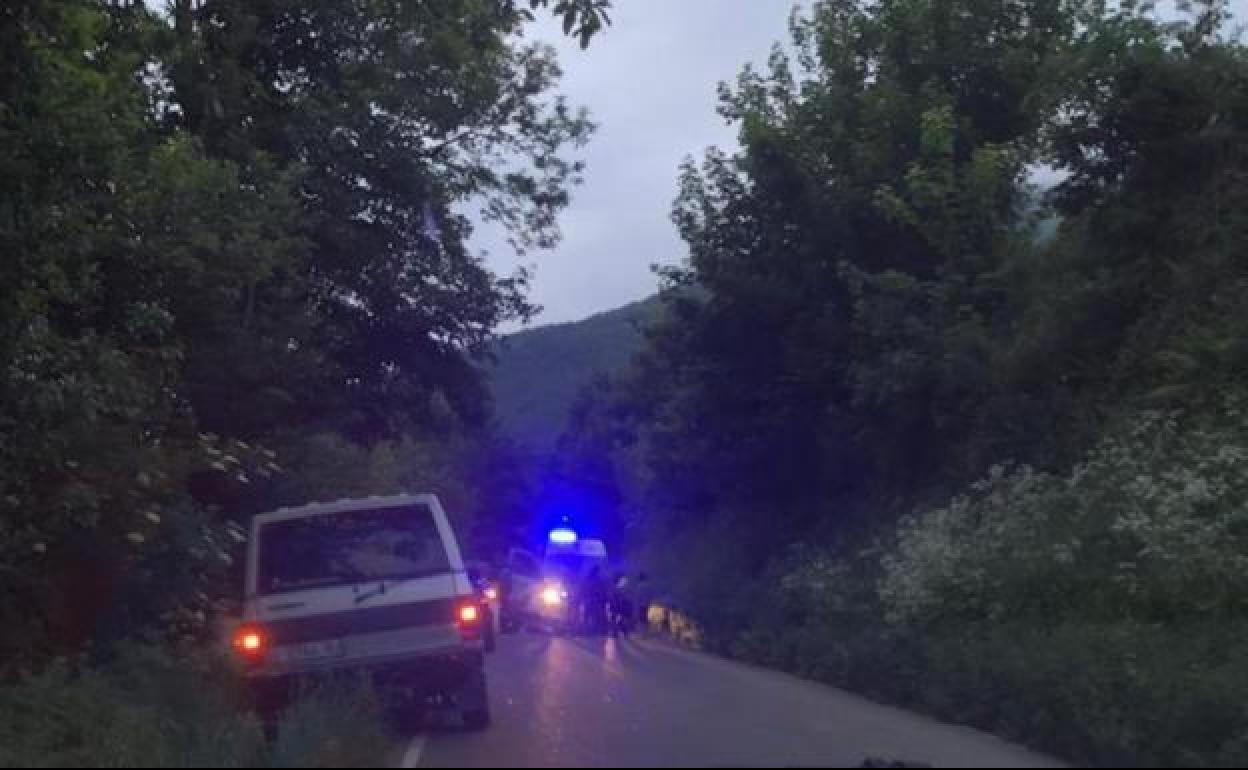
point(374, 585)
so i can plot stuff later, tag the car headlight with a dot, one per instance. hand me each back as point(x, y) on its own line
point(552, 596)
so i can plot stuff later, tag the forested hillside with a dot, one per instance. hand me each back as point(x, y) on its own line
point(538, 373)
point(899, 442)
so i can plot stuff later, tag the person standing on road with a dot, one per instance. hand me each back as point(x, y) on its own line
point(620, 612)
point(595, 594)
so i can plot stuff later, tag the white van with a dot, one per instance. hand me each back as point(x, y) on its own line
point(544, 593)
point(574, 561)
point(375, 585)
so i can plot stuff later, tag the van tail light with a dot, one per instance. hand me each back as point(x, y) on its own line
point(468, 619)
point(250, 644)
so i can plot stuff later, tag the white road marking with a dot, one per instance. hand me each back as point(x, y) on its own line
point(411, 757)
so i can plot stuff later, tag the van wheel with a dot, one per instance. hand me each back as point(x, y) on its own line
point(474, 702)
point(269, 728)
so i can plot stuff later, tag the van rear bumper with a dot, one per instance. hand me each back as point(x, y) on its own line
point(421, 675)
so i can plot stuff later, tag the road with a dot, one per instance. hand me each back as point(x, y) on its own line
point(594, 703)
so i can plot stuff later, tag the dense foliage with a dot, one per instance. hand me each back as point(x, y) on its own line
point(895, 428)
point(234, 274)
point(538, 374)
point(898, 431)
point(1153, 520)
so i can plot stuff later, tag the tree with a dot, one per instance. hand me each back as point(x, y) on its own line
point(233, 229)
point(1151, 131)
point(867, 320)
point(390, 116)
point(96, 438)
point(835, 337)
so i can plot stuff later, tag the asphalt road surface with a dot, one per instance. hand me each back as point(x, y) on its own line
point(594, 703)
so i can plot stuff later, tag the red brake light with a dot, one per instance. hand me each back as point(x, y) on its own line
point(468, 620)
point(250, 642)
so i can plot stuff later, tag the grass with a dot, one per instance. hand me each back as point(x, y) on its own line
point(148, 707)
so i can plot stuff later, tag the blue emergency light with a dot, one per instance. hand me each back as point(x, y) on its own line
point(562, 536)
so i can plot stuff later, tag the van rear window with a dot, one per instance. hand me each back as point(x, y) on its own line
point(349, 547)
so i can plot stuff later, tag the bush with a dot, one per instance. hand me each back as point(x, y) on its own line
point(142, 709)
point(824, 622)
point(1097, 614)
point(1153, 525)
point(1111, 694)
point(1120, 693)
point(148, 707)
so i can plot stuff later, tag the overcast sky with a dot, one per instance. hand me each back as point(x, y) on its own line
point(650, 82)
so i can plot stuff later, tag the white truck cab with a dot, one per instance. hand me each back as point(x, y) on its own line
point(373, 585)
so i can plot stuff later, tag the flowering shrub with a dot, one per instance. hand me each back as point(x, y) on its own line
point(1152, 525)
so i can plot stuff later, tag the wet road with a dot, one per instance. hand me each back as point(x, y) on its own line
point(595, 703)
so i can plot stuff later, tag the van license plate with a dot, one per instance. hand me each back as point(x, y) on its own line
point(311, 651)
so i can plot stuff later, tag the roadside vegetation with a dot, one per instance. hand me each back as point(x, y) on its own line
point(149, 707)
point(1094, 613)
point(947, 403)
point(234, 275)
